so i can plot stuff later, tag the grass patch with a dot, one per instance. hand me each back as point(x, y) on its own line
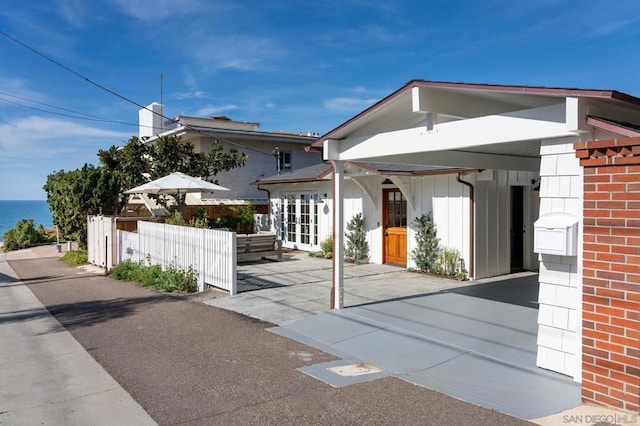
point(153, 276)
point(75, 258)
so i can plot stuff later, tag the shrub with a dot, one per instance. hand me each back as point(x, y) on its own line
point(175, 219)
point(449, 261)
point(23, 235)
point(75, 258)
point(326, 247)
point(199, 218)
point(153, 276)
point(357, 248)
point(238, 219)
point(427, 251)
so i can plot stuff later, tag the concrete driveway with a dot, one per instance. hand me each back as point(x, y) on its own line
point(475, 341)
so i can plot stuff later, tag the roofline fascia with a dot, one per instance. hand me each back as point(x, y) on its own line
point(612, 127)
point(540, 90)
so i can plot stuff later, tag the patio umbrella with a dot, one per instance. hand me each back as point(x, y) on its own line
point(176, 184)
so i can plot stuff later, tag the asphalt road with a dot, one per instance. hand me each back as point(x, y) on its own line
point(191, 364)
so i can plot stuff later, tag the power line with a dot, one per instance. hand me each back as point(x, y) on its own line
point(100, 86)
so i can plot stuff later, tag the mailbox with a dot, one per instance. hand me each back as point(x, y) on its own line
point(556, 233)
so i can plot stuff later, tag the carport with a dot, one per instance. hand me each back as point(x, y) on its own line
point(476, 343)
point(523, 128)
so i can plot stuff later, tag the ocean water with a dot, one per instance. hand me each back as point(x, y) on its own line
point(11, 211)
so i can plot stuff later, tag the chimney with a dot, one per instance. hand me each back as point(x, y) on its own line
point(150, 120)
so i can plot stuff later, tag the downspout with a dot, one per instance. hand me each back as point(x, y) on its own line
point(471, 224)
point(268, 204)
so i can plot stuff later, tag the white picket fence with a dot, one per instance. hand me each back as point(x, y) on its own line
point(100, 245)
point(211, 253)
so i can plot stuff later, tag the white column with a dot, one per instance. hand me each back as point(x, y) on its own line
point(338, 233)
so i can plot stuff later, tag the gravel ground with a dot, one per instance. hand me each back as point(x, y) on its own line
point(189, 363)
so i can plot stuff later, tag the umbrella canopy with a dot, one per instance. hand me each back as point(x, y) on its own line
point(176, 183)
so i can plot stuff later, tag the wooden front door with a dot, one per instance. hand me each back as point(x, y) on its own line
point(394, 227)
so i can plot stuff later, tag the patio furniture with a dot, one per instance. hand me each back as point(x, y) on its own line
point(258, 246)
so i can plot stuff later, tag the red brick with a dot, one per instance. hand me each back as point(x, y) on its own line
point(635, 141)
point(591, 264)
point(611, 383)
point(632, 389)
point(608, 400)
point(633, 223)
point(624, 249)
point(579, 145)
point(609, 329)
point(588, 324)
point(597, 179)
point(626, 286)
point(610, 239)
point(611, 257)
point(599, 335)
point(633, 315)
point(625, 231)
point(590, 171)
point(597, 196)
point(634, 297)
point(607, 292)
point(627, 214)
point(596, 247)
point(604, 143)
point(609, 222)
point(622, 322)
point(633, 169)
point(597, 353)
point(612, 170)
point(623, 377)
point(592, 316)
point(590, 273)
point(612, 187)
point(623, 396)
point(619, 339)
point(613, 205)
point(609, 347)
point(607, 275)
point(622, 196)
point(627, 177)
point(626, 160)
point(597, 213)
point(633, 187)
point(627, 268)
point(633, 278)
point(595, 386)
point(634, 351)
point(633, 334)
point(625, 304)
point(583, 153)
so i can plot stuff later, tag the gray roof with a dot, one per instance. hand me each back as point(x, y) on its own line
point(319, 171)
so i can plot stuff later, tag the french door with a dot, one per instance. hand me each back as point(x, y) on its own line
point(299, 220)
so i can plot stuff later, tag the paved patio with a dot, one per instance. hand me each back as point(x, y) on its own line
point(472, 340)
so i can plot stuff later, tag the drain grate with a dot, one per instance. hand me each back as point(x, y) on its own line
point(355, 369)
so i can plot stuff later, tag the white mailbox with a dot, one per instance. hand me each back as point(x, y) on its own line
point(556, 233)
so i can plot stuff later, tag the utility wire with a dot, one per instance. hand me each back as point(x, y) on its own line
point(106, 89)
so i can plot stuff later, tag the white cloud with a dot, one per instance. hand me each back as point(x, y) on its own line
point(46, 137)
point(344, 104)
point(152, 11)
point(73, 12)
point(240, 52)
point(198, 94)
point(210, 110)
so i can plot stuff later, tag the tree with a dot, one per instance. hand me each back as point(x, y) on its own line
point(74, 195)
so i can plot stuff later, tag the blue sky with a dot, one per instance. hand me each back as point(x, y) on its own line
point(289, 65)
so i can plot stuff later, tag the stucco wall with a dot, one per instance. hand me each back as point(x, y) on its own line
point(260, 163)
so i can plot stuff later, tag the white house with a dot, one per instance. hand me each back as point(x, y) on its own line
point(268, 152)
point(497, 140)
point(391, 196)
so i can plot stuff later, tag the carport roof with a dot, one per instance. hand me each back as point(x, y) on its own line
point(527, 95)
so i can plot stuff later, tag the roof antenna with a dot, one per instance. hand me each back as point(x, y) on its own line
point(161, 103)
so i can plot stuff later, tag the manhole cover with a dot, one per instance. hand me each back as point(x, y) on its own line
point(355, 369)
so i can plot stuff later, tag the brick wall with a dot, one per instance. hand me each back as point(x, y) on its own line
point(611, 272)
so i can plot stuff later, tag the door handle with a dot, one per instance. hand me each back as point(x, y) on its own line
point(386, 234)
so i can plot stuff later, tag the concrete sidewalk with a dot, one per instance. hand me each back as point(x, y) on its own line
point(47, 376)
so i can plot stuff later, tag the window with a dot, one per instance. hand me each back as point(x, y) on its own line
point(285, 160)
